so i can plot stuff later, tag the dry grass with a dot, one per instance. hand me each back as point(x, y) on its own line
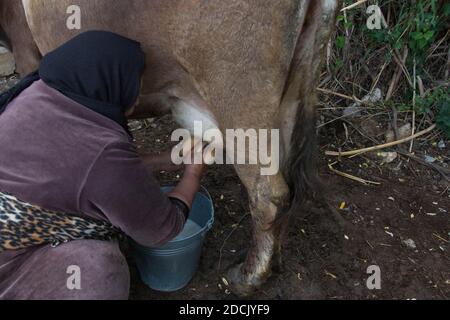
point(410, 70)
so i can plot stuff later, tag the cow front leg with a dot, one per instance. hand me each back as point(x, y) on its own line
point(269, 199)
point(15, 26)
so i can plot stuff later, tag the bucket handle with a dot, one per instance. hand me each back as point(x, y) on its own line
point(207, 194)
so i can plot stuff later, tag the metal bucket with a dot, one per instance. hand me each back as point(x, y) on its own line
point(171, 267)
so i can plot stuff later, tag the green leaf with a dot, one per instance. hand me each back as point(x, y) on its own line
point(443, 118)
point(428, 35)
point(447, 9)
point(339, 63)
point(340, 42)
point(417, 35)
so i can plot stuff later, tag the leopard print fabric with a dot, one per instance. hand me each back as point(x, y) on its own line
point(23, 225)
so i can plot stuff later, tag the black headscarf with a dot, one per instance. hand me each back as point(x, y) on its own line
point(98, 69)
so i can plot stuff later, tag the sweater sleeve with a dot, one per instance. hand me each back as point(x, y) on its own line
point(121, 189)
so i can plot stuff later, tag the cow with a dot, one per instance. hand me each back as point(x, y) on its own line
point(249, 64)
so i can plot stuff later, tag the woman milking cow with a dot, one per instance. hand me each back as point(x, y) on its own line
point(71, 181)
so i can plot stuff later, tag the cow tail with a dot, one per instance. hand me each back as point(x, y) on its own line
point(301, 169)
point(300, 166)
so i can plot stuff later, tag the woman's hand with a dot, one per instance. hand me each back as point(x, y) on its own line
point(188, 187)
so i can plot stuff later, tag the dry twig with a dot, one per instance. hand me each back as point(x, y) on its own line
point(354, 5)
point(351, 177)
point(382, 146)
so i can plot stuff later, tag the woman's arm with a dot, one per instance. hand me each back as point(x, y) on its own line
point(159, 162)
point(188, 187)
point(118, 186)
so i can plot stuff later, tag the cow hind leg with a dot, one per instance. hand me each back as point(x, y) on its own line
point(272, 198)
point(269, 199)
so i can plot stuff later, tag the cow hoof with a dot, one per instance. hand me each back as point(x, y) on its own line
point(241, 284)
point(238, 283)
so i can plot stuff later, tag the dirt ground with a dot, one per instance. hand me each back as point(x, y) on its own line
point(328, 251)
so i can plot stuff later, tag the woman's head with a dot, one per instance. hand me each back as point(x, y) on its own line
point(100, 70)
